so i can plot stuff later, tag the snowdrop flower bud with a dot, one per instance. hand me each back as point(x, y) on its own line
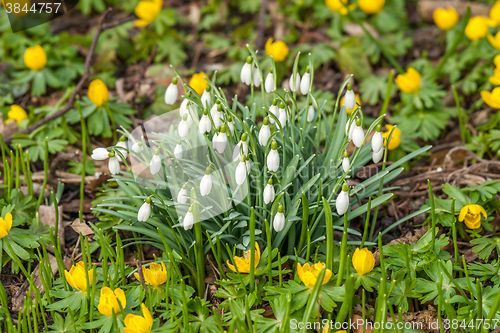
point(206, 98)
point(294, 83)
point(241, 145)
point(216, 113)
point(304, 83)
point(206, 182)
point(182, 195)
point(220, 142)
point(183, 126)
point(178, 150)
point(377, 156)
point(247, 163)
point(377, 140)
point(265, 132)
point(273, 158)
point(358, 135)
point(342, 202)
point(241, 171)
point(349, 97)
point(269, 192)
point(100, 154)
point(230, 124)
point(256, 77)
point(282, 115)
point(155, 164)
point(137, 147)
point(205, 125)
point(188, 221)
point(144, 211)
point(310, 112)
point(345, 162)
point(113, 163)
point(171, 92)
point(123, 146)
point(246, 72)
point(269, 84)
point(184, 105)
point(274, 110)
point(349, 128)
point(279, 219)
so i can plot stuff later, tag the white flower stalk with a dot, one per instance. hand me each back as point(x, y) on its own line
point(155, 164)
point(206, 98)
point(265, 132)
point(205, 124)
point(242, 145)
point(123, 146)
point(114, 164)
point(206, 183)
point(230, 124)
point(358, 135)
point(256, 77)
point(178, 150)
point(219, 142)
point(279, 219)
point(241, 171)
point(377, 140)
point(305, 82)
point(248, 165)
point(216, 113)
point(273, 158)
point(144, 211)
point(349, 127)
point(294, 83)
point(269, 192)
point(171, 92)
point(377, 156)
point(269, 84)
point(349, 98)
point(345, 162)
point(182, 196)
point(137, 147)
point(183, 126)
point(274, 110)
point(246, 72)
point(310, 113)
point(188, 220)
point(282, 117)
point(342, 202)
point(100, 154)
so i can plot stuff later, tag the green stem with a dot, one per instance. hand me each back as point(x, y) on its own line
point(461, 116)
point(46, 173)
point(84, 159)
point(343, 252)
point(433, 215)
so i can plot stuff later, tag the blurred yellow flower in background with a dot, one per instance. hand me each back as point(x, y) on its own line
point(495, 79)
point(198, 82)
point(363, 261)
point(395, 138)
point(243, 263)
point(35, 58)
point(139, 324)
point(147, 11)
point(98, 92)
point(16, 113)
point(309, 274)
point(445, 19)
point(349, 111)
point(495, 12)
point(278, 50)
point(108, 301)
point(155, 275)
point(471, 215)
point(478, 27)
point(494, 40)
point(338, 6)
point(76, 277)
point(371, 6)
point(492, 98)
point(5, 225)
point(409, 82)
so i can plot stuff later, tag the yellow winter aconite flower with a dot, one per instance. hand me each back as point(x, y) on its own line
point(16, 113)
point(147, 11)
point(363, 261)
point(349, 111)
point(492, 98)
point(494, 40)
point(309, 274)
point(108, 301)
point(395, 138)
point(98, 92)
point(338, 6)
point(155, 275)
point(278, 50)
point(495, 79)
point(35, 58)
point(478, 27)
point(471, 215)
point(445, 19)
point(495, 12)
point(5, 225)
point(76, 276)
point(243, 263)
point(409, 82)
point(139, 324)
point(371, 6)
point(198, 82)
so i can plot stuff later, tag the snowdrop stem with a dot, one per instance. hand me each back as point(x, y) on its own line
point(200, 257)
point(113, 125)
point(305, 220)
point(343, 251)
point(84, 157)
point(337, 103)
point(252, 249)
point(329, 234)
point(387, 98)
point(269, 249)
point(367, 222)
point(217, 253)
point(45, 178)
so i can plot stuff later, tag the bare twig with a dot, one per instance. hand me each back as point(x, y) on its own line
point(262, 25)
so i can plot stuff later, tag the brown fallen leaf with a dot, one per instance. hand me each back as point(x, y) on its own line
point(82, 227)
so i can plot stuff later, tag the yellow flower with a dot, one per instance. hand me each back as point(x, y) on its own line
point(147, 11)
point(16, 113)
point(198, 82)
point(5, 225)
point(108, 302)
point(35, 58)
point(395, 138)
point(445, 19)
point(243, 263)
point(471, 215)
point(478, 27)
point(98, 92)
point(363, 261)
point(409, 82)
point(349, 111)
point(495, 79)
point(494, 41)
point(338, 6)
point(495, 12)
point(155, 275)
point(139, 324)
point(492, 98)
point(496, 60)
point(309, 274)
point(76, 276)
point(22, 4)
point(371, 6)
point(278, 50)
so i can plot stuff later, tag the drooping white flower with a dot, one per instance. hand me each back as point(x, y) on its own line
point(205, 124)
point(184, 105)
point(256, 77)
point(358, 135)
point(182, 196)
point(114, 164)
point(230, 124)
point(342, 202)
point(305, 82)
point(171, 92)
point(183, 126)
point(219, 140)
point(144, 211)
point(295, 87)
point(377, 156)
point(377, 140)
point(241, 145)
point(123, 147)
point(310, 113)
point(248, 165)
point(216, 113)
point(188, 220)
point(273, 158)
point(178, 150)
point(246, 72)
point(206, 183)
point(137, 147)
point(349, 127)
point(155, 164)
point(206, 98)
point(279, 219)
point(282, 117)
point(100, 154)
point(274, 110)
point(269, 84)
point(269, 192)
point(241, 172)
point(265, 132)
point(349, 98)
point(345, 162)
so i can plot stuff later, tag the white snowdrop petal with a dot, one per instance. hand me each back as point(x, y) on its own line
point(144, 212)
point(182, 196)
point(155, 164)
point(349, 99)
point(269, 84)
point(264, 135)
point(206, 185)
point(304, 83)
point(188, 221)
point(256, 77)
point(171, 94)
point(279, 222)
point(268, 193)
point(241, 173)
point(346, 164)
point(377, 142)
point(178, 151)
point(377, 156)
point(100, 154)
point(342, 203)
point(358, 135)
point(114, 165)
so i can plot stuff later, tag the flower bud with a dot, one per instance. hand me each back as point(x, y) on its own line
point(206, 183)
point(35, 57)
point(155, 164)
point(345, 162)
point(310, 112)
point(305, 82)
point(256, 77)
point(363, 261)
point(188, 221)
point(273, 158)
point(182, 196)
point(349, 97)
point(171, 92)
point(178, 150)
point(246, 72)
point(241, 171)
point(279, 219)
point(358, 135)
point(377, 140)
point(144, 211)
point(264, 133)
point(269, 84)
point(269, 192)
point(342, 202)
point(294, 83)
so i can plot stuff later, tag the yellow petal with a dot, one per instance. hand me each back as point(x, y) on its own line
point(147, 315)
point(463, 212)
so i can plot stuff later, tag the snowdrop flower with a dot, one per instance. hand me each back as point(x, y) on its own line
point(216, 113)
point(184, 105)
point(279, 219)
point(241, 145)
point(377, 140)
point(358, 135)
point(349, 127)
point(256, 77)
point(101, 154)
point(377, 156)
point(182, 196)
point(205, 124)
point(247, 163)
point(206, 98)
point(137, 147)
point(295, 87)
point(144, 211)
point(246, 72)
point(269, 192)
point(171, 92)
point(310, 112)
point(183, 126)
point(345, 162)
point(282, 115)
point(349, 97)
point(188, 221)
point(155, 164)
point(304, 83)
point(274, 110)
point(178, 150)
point(219, 142)
point(230, 124)
point(342, 202)
point(269, 84)
point(241, 171)
point(206, 183)
point(273, 158)
point(265, 132)
point(123, 146)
